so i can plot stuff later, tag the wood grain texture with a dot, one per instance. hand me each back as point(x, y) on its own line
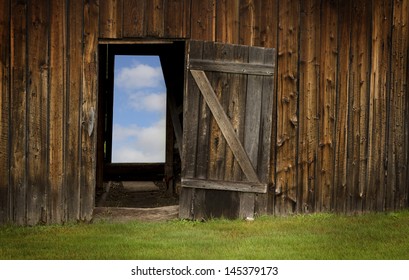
point(111, 19)
point(18, 116)
point(327, 98)
point(89, 110)
point(246, 187)
point(359, 86)
point(379, 94)
point(396, 192)
point(73, 109)
point(308, 108)
point(287, 104)
point(227, 21)
point(203, 20)
point(177, 18)
point(4, 110)
point(57, 99)
point(343, 109)
point(38, 73)
point(134, 22)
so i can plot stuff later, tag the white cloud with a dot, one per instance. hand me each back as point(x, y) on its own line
point(139, 76)
point(139, 144)
point(152, 102)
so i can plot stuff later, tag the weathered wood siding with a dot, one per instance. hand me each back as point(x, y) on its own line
point(341, 111)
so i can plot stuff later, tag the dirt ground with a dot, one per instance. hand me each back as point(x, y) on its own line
point(144, 201)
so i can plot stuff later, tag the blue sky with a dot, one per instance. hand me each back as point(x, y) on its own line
point(139, 119)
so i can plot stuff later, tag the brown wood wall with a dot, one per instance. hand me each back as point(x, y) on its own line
point(342, 97)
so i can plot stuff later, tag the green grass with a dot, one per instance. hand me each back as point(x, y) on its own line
point(317, 236)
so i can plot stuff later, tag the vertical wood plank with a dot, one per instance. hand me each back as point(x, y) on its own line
point(380, 82)
point(308, 108)
point(134, 24)
point(327, 104)
point(269, 39)
point(203, 20)
point(249, 22)
point(396, 194)
point(57, 99)
point(360, 46)
point(111, 13)
point(177, 18)
point(191, 105)
point(287, 103)
point(37, 112)
point(89, 109)
point(74, 104)
point(18, 117)
point(219, 81)
point(155, 18)
point(4, 109)
point(227, 21)
point(343, 110)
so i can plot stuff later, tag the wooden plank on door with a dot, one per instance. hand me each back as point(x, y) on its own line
point(4, 109)
point(38, 70)
point(224, 124)
point(57, 100)
point(18, 116)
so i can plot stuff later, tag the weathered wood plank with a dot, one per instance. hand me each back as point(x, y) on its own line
point(237, 101)
point(227, 21)
point(89, 109)
point(268, 24)
point(396, 194)
point(134, 24)
point(287, 103)
point(264, 166)
point(73, 125)
point(18, 117)
point(255, 68)
point(250, 15)
point(327, 104)
point(4, 110)
point(380, 83)
point(308, 108)
point(155, 18)
point(110, 21)
point(359, 82)
point(249, 187)
point(57, 100)
point(221, 86)
point(224, 124)
point(37, 112)
point(343, 108)
point(203, 20)
point(177, 18)
point(191, 105)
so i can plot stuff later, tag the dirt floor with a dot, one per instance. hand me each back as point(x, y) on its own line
point(143, 201)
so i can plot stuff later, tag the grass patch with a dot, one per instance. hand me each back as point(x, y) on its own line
point(317, 236)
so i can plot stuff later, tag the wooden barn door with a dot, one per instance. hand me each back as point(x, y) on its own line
point(227, 128)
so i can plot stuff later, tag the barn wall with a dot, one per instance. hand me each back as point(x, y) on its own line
point(341, 130)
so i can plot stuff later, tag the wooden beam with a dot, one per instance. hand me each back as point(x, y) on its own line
point(225, 125)
point(247, 187)
point(232, 67)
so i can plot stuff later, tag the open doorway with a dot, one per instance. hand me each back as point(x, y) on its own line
point(139, 125)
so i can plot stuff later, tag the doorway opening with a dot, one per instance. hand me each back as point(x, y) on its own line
point(140, 109)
